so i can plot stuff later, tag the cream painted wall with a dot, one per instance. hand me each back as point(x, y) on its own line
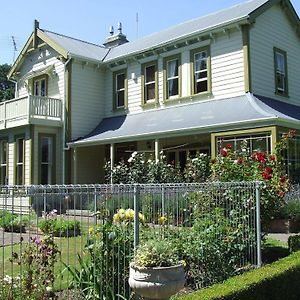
point(227, 64)
point(87, 103)
point(273, 29)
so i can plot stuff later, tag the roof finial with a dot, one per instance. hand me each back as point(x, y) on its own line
point(111, 30)
point(120, 27)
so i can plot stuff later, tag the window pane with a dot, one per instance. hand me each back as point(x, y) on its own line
point(19, 179)
point(120, 81)
point(150, 91)
point(37, 88)
point(201, 86)
point(3, 175)
point(20, 149)
point(45, 178)
point(120, 98)
point(150, 74)
point(172, 67)
point(200, 61)
point(280, 62)
point(173, 87)
point(46, 150)
point(280, 79)
point(201, 75)
point(43, 87)
point(3, 152)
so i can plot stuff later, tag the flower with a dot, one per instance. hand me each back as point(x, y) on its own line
point(281, 194)
point(162, 220)
point(240, 160)
point(129, 214)
point(224, 152)
point(228, 146)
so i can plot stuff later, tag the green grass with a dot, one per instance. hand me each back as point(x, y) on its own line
point(273, 250)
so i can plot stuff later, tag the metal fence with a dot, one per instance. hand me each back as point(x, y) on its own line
point(71, 241)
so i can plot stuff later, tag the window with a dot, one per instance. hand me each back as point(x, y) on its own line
point(172, 76)
point(40, 87)
point(292, 159)
point(120, 89)
point(19, 161)
point(46, 160)
point(3, 162)
point(200, 59)
point(149, 82)
point(255, 142)
point(281, 83)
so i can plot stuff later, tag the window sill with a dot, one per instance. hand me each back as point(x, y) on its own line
point(282, 95)
point(150, 104)
point(191, 98)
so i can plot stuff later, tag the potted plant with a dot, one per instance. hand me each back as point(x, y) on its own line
point(156, 271)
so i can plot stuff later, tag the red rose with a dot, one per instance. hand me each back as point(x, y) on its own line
point(224, 152)
point(281, 194)
point(282, 179)
point(228, 146)
point(272, 157)
point(240, 160)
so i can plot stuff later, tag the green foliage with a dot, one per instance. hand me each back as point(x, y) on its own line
point(294, 243)
point(156, 253)
point(104, 267)
point(277, 281)
point(245, 166)
point(59, 227)
point(290, 210)
point(6, 87)
point(214, 247)
point(197, 169)
point(13, 223)
point(37, 261)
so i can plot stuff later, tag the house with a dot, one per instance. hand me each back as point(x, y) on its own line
point(228, 77)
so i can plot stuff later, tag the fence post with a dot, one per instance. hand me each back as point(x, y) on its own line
point(258, 224)
point(136, 198)
point(163, 201)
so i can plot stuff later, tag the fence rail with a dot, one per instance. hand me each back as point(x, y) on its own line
point(95, 228)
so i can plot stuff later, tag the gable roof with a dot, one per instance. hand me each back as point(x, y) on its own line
point(243, 111)
point(240, 13)
point(76, 47)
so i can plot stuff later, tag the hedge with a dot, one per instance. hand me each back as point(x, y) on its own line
point(279, 280)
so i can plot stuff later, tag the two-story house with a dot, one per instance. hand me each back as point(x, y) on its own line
point(228, 77)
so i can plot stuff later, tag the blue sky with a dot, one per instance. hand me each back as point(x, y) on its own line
point(89, 20)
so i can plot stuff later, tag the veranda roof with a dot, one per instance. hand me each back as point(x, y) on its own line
point(247, 111)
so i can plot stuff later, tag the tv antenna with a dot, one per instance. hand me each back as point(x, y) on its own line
point(137, 24)
point(15, 47)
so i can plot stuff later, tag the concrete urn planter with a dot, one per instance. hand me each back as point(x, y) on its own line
point(157, 282)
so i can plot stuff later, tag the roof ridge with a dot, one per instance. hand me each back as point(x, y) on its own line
point(76, 39)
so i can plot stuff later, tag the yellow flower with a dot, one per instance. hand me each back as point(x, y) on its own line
point(141, 218)
point(162, 220)
point(91, 230)
point(116, 218)
point(129, 214)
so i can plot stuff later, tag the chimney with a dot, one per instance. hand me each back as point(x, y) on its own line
point(117, 39)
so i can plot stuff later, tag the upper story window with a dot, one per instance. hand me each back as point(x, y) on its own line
point(149, 82)
point(172, 76)
point(40, 87)
point(3, 161)
point(200, 59)
point(281, 81)
point(120, 89)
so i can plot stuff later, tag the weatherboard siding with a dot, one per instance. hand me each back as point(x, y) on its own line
point(39, 59)
point(87, 98)
point(273, 29)
point(227, 66)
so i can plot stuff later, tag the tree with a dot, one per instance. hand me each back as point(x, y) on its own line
point(7, 88)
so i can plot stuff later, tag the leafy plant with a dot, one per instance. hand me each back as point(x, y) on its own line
point(36, 280)
point(156, 253)
point(294, 243)
point(290, 210)
point(13, 223)
point(59, 227)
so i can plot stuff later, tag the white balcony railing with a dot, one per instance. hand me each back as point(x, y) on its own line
point(30, 109)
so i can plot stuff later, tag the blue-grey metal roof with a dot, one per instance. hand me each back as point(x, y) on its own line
point(208, 22)
point(196, 26)
point(77, 47)
point(246, 110)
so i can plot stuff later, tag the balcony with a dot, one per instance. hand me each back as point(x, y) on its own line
point(30, 110)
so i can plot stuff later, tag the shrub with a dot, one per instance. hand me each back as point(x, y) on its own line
point(13, 223)
point(59, 227)
point(294, 243)
point(103, 270)
point(290, 210)
point(37, 277)
point(277, 281)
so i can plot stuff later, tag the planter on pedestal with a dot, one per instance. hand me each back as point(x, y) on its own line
point(157, 282)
